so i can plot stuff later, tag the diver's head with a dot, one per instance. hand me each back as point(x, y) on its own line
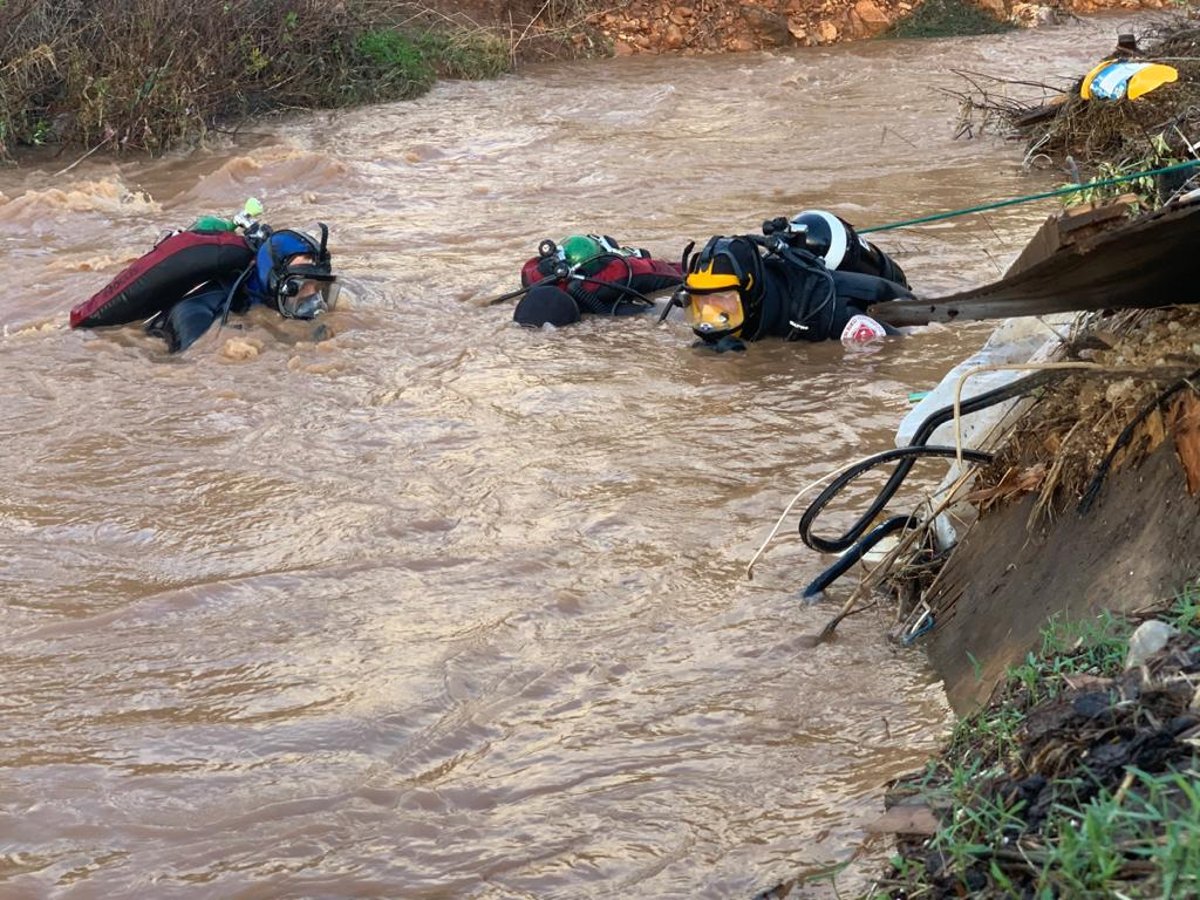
point(295, 272)
point(722, 291)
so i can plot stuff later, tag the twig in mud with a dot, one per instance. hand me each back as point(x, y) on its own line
point(787, 509)
point(1042, 505)
point(971, 76)
point(886, 130)
point(517, 43)
point(107, 138)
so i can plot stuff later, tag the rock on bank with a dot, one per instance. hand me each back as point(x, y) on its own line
point(705, 26)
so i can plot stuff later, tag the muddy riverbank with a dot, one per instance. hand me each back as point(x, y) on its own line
point(1064, 622)
point(440, 605)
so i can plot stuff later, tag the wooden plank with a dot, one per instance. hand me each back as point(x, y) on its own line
point(1148, 263)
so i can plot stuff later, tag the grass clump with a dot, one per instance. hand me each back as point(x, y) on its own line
point(1079, 780)
point(143, 75)
point(472, 55)
point(392, 65)
point(947, 18)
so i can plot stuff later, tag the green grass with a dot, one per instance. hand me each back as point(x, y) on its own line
point(1094, 646)
point(947, 18)
point(1140, 840)
point(472, 55)
point(395, 67)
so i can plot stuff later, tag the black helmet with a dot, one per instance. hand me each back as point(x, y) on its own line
point(724, 290)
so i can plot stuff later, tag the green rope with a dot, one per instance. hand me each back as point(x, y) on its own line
point(1070, 189)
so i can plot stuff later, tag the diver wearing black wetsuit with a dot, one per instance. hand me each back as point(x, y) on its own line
point(792, 284)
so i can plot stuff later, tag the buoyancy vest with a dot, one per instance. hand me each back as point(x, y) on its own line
point(175, 267)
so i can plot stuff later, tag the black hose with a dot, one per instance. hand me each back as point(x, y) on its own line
point(595, 304)
point(855, 553)
point(520, 291)
point(637, 296)
point(228, 304)
point(906, 459)
point(812, 267)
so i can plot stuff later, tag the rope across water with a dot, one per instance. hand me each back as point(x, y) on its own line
point(1069, 189)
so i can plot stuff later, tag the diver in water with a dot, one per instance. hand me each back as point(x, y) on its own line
point(292, 273)
point(804, 278)
point(590, 274)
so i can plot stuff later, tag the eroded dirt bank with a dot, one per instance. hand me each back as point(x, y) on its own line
point(712, 25)
point(1062, 537)
point(1065, 621)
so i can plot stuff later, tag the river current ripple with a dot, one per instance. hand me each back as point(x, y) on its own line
point(442, 607)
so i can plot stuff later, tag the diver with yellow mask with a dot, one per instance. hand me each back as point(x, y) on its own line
point(804, 278)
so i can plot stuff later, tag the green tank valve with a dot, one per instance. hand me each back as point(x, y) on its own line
point(212, 223)
point(579, 248)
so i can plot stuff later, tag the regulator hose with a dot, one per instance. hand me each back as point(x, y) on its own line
point(907, 456)
point(594, 304)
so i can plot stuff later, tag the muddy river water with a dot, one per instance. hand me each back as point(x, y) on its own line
point(443, 607)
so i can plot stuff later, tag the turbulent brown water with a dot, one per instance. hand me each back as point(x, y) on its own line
point(444, 607)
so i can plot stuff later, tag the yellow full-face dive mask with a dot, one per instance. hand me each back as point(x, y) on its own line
point(715, 315)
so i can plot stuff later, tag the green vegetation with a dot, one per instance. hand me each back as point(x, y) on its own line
point(141, 75)
point(471, 55)
point(947, 18)
point(1152, 191)
point(1079, 780)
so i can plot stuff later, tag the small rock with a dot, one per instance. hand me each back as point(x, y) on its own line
point(1118, 391)
point(827, 32)
point(1148, 639)
point(239, 349)
point(872, 16)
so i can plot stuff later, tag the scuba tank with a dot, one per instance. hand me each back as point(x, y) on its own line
point(835, 241)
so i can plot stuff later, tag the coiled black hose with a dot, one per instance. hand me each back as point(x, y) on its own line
point(1018, 388)
point(859, 546)
point(817, 586)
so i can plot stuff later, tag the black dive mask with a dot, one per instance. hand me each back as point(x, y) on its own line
point(305, 292)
